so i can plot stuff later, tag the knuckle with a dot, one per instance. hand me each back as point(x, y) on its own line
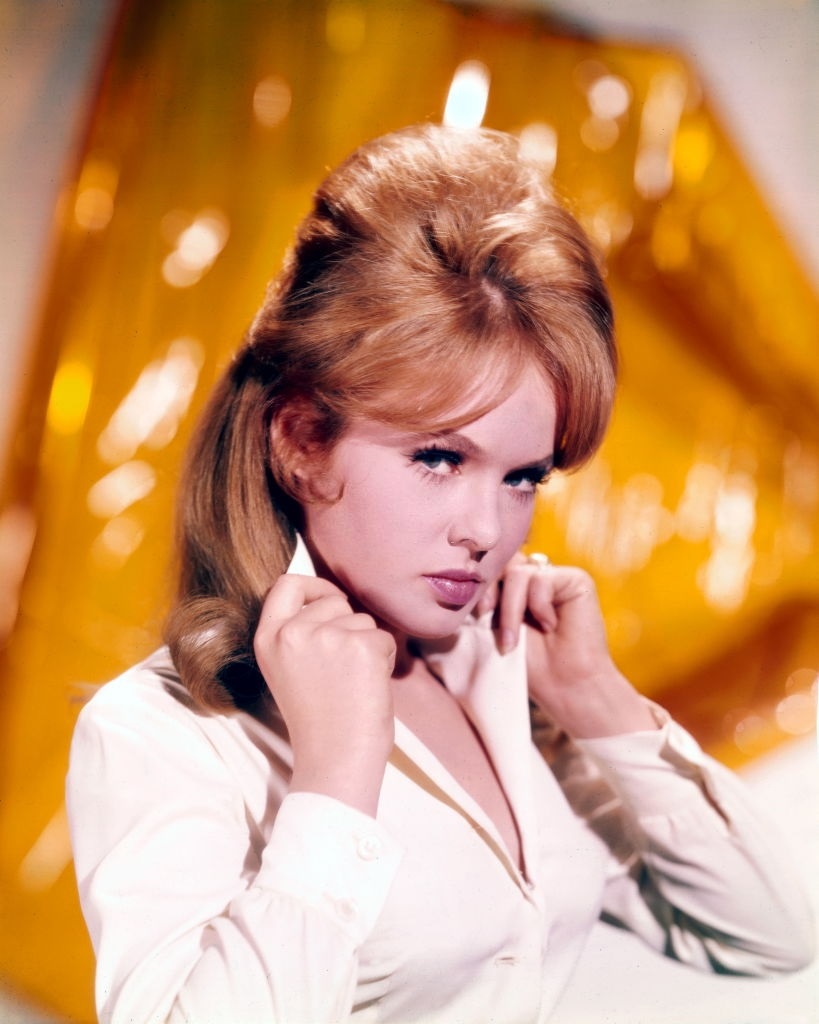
point(290, 633)
point(584, 578)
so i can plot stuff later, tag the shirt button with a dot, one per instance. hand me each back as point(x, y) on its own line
point(346, 909)
point(369, 848)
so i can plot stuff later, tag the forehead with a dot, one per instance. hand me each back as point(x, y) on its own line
point(517, 424)
point(447, 386)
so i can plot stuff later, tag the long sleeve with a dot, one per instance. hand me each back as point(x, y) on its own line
point(705, 880)
point(193, 914)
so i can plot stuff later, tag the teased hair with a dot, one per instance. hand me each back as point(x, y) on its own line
point(434, 267)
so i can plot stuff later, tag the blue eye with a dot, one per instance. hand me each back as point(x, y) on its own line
point(527, 480)
point(440, 461)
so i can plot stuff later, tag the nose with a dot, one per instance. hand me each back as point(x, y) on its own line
point(476, 523)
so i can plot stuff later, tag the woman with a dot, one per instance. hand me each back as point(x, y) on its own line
point(322, 801)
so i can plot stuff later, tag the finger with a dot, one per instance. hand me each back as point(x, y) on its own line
point(356, 621)
point(491, 598)
point(513, 601)
point(291, 592)
point(325, 609)
point(488, 600)
point(384, 643)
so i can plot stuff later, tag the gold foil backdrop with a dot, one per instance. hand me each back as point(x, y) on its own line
point(211, 126)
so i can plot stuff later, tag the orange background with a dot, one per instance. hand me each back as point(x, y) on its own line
point(209, 129)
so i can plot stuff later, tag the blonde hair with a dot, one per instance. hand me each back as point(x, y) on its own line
point(433, 263)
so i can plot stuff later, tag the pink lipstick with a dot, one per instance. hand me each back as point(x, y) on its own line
point(454, 586)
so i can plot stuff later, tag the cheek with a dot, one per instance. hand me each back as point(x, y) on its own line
point(517, 525)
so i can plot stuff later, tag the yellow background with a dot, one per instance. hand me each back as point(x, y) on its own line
point(212, 124)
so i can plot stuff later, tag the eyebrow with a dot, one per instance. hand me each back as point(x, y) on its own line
point(466, 446)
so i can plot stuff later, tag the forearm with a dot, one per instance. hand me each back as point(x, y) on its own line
point(188, 904)
point(601, 703)
point(282, 948)
point(717, 888)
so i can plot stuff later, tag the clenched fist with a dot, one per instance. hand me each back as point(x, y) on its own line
point(328, 668)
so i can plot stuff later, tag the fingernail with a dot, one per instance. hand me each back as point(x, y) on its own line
point(508, 639)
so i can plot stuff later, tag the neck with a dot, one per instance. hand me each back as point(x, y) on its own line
point(406, 653)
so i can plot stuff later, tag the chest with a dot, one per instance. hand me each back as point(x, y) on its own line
point(446, 732)
point(462, 935)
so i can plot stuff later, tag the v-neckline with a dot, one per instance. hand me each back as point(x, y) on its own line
point(414, 759)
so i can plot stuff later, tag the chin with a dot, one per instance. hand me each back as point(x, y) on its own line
point(438, 627)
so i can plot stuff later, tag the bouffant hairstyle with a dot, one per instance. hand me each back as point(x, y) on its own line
point(434, 267)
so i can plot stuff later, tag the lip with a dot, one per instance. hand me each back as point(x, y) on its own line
point(454, 586)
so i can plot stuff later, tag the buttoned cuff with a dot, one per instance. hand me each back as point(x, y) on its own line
point(332, 857)
point(652, 770)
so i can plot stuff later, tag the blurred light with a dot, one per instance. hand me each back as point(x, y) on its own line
point(735, 510)
point(803, 680)
point(468, 95)
point(652, 172)
point(272, 99)
point(800, 468)
point(800, 499)
point(538, 143)
point(151, 411)
point(345, 27)
point(120, 488)
point(94, 202)
point(751, 734)
point(796, 714)
point(118, 540)
point(695, 512)
point(609, 224)
point(659, 122)
point(609, 96)
point(93, 208)
point(613, 530)
point(197, 247)
point(640, 523)
point(599, 134)
point(725, 577)
point(693, 151)
point(581, 508)
point(70, 394)
point(49, 856)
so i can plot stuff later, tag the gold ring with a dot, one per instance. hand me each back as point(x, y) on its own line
point(539, 560)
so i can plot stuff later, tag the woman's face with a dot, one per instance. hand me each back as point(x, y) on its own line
point(426, 522)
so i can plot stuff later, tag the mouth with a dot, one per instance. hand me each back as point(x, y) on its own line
point(455, 587)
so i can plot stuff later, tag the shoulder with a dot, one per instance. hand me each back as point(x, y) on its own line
point(144, 725)
point(142, 713)
point(143, 762)
point(150, 688)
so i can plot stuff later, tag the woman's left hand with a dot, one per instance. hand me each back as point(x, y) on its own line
point(571, 674)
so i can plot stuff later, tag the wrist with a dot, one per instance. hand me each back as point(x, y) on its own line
point(353, 777)
point(603, 704)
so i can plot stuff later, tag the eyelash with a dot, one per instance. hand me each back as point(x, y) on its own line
point(428, 459)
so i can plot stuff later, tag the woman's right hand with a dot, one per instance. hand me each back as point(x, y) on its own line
point(328, 669)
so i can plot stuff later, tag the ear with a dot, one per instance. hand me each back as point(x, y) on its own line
point(301, 438)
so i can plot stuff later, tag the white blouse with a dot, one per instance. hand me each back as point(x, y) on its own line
point(212, 895)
